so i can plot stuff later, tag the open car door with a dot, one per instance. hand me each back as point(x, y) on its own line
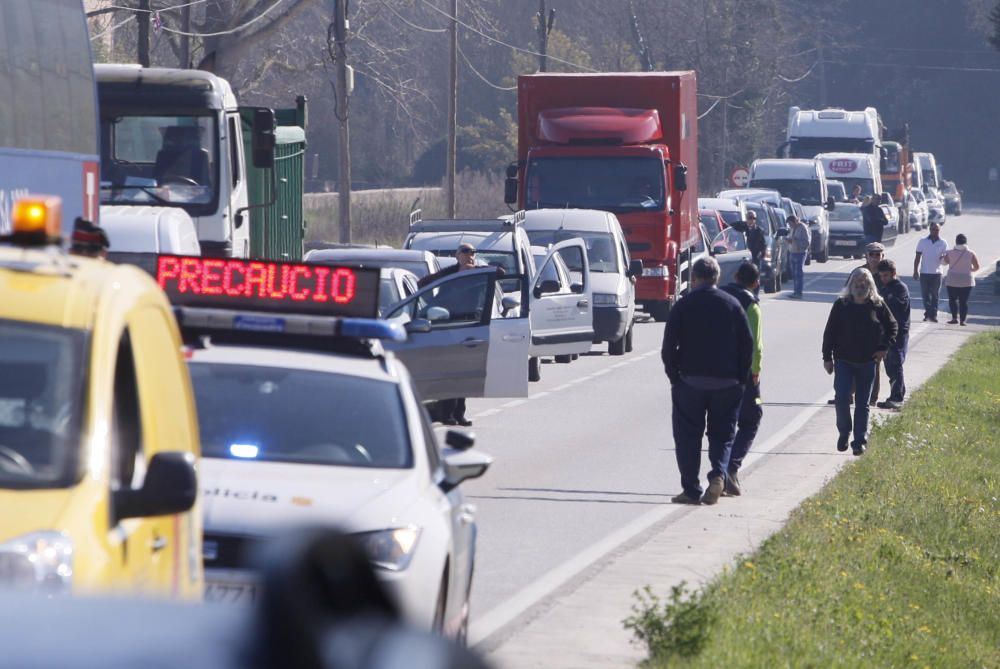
point(562, 322)
point(458, 345)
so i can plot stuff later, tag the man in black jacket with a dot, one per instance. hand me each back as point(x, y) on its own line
point(707, 349)
point(873, 219)
point(756, 241)
point(897, 297)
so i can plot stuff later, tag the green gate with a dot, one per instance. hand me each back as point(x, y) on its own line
point(277, 230)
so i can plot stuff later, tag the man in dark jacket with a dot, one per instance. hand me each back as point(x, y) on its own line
point(873, 219)
point(897, 297)
point(707, 350)
point(756, 241)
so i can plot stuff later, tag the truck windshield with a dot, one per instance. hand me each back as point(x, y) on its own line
point(41, 402)
point(808, 147)
point(612, 184)
point(160, 160)
point(803, 191)
point(276, 414)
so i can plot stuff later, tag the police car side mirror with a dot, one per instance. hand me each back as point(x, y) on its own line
point(417, 326)
point(170, 487)
point(461, 466)
point(509, 303)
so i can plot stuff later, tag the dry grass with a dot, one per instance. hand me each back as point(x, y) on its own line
point(382, 216)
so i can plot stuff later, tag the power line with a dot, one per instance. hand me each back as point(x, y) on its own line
point(709, 110)
point(499, 41)
point(480, 75)
point(912, 49)
point(112, 28)
point(114, 8)
point(407, 22)
point(231, 30)
point(797, 79)
point(946, 68)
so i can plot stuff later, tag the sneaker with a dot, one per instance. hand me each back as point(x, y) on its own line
point(933, 319)
point(463, 421)
point(842, 442)
point(890, 404)
point(858, 450)
point(926, 319)
point(714, 491)
point(684, 498)
point(953, 321)
point(732, 487)
point(962, 323)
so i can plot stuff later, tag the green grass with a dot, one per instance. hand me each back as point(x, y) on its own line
point(896, 563)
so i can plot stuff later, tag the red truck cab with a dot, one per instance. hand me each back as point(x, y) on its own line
point(622, 142)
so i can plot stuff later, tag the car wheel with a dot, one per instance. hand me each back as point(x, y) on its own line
point(823, 256)
point(628, 339)
point(575, 356)
point(958, 212)
point(564, 359)
point(534, 369)
point(617, 347)
point(659, 311)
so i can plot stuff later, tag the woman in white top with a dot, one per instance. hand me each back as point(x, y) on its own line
point(962, 265)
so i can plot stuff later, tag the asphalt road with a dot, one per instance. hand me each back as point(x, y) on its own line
point(586, 463)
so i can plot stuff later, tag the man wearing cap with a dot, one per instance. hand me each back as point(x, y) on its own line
point(88, 240)
point(452, 411)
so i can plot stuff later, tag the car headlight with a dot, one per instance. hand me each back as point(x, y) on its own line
point(390, 549)
point(40, 562)
point(610, 300)
point(655, 271)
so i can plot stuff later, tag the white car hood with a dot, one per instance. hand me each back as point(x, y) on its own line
point(246, 497)
point(813, 211)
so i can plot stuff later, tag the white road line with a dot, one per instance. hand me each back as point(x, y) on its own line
point(562, 387)
point(540, 395)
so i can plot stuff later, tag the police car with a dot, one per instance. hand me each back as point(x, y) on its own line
point(304, 419)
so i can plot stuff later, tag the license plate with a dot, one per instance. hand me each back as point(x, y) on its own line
point(844, 242)
point(230, 593)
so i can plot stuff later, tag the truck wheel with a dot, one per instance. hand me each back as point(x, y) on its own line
point(564, 359)
point(628, 339)
point(617, 347)
point(534, 369)
point(659, 311)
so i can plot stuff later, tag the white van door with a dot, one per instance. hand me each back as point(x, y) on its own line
point(562, 322)
point(458, 344)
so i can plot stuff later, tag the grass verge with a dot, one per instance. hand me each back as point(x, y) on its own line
point(896, 563)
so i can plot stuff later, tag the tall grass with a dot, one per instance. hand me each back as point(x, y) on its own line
point(896, 563)
point(382, 216)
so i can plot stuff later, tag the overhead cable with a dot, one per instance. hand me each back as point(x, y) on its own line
point(480, 75)
point(229, 31)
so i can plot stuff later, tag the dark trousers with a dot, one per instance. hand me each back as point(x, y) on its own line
point(894, 359)
point(690, 407)
point(930, 288)
point(746, 425)
point(958, 302)
point(447, 410)
point(861, 375)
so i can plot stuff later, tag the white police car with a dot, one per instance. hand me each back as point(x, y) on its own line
point(305, 420)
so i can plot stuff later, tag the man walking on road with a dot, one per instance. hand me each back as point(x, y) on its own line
point(927, 270)
point(756, 241)
point(744, 289)
point(798, 247)
point(707, 351)
point(896, 296)
point(873, 219)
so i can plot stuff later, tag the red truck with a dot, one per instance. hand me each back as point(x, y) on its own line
point(621, 142)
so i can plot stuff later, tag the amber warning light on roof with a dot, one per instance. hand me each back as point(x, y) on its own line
point(258, 285)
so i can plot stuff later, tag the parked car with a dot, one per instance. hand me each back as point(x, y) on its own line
point(732, 209)
point(847, 234)
point(935, 206)
point(395, 285)
point(729, 248)
point(919, 215)
point(952, 198)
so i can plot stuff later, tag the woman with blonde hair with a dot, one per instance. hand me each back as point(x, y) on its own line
point(962, 266)
point(859, 331)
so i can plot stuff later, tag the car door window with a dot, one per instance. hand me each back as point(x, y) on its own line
point(699, 244)
point(455, 303)
point(732, 240)
point(127, 457)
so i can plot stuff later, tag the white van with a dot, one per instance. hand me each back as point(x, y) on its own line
point(802, 180)
point(853, 169)
point(927, 166)
point(612, 274)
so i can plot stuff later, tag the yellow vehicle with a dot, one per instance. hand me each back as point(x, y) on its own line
point(98, 431)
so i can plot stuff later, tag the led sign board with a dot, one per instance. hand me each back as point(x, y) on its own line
point(261, 285)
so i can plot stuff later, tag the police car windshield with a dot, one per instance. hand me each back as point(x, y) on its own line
point(275, 414)
point(41, 399)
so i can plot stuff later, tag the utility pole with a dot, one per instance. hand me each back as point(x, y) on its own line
point(452, 112)
point(543, 28)
point(640, 43)
point(725, 142)
point(185, 39)
point(822, 72)
point(343, 91)
point(142, 17)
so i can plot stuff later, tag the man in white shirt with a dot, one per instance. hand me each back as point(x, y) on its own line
point(927, 270)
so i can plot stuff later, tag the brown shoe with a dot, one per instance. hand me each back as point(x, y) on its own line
point(732, 486)
point(714, 491)
point(684, 498)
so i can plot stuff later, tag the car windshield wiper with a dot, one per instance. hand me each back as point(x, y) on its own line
point(144, 189)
